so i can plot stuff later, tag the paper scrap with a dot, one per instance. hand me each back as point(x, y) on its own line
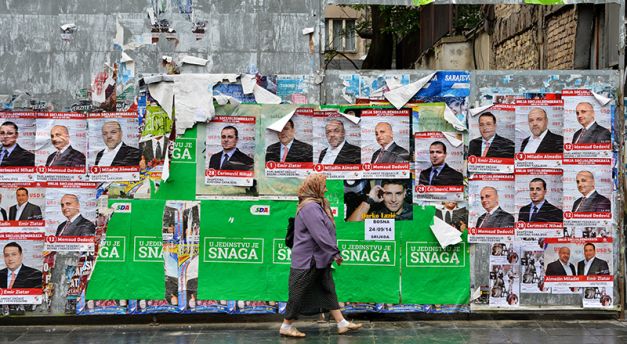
point(125, 58)
point(475, 294)
point(163, 92)
point(193, 60)
point(152, 79)
point(308, 30)
point(401, 95)
point(393, 83)
point(248, 83)
point(452, 139)
point(224, 99)
point(68, 27)
point(445, 233)
point(450, 117)
point(165, 172)
point(263, 96)
point(280, 123)
point(601, 99)
point(478, 110)
point(353, 119)
point(167, 58)
point(151, 15)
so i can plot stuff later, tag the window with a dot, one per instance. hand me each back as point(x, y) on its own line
point(341, 35)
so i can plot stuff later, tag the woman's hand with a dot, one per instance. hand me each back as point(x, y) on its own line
point(338, 260)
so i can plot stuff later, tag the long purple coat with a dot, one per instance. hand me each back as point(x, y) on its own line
point(314, 237)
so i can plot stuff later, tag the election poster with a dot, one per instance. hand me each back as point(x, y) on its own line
point(289, 151)
point(21, 269)
point(492, 134)
point(587, 232)
point(539, 202)
point(430, 117)
point(503, 253)
point(385, 143)
point(22, 205)
point(17, 154)
point(532, 266)
point(578, 262)
point(439, 166)
point(336, 145)
point(588, 187)
point(100, 307)
point(113, 142)
point(539, 141)
point(61, 146)
point(378, 199)
point(230, 151)
point(70, 213)
point(491, 202)
point(454, 214)
point(587, 125)
point(598, 297)
point(504, 285)
point(181, 222)
point(65, 277)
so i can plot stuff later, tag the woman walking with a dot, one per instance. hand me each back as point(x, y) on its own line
point(311, 287)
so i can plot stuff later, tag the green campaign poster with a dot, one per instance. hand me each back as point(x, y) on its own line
point(430, 274)
point(180, 184)
point(130, 262)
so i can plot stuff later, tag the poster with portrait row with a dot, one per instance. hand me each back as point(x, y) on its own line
point(374, 145)
point(66, 146)
point(64, 211)
point(541, 202)
point(540, 133)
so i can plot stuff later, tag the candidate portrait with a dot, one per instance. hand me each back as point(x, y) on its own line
point(591, 264)
point(539, 209)
point(12, 154)
point(591, 201)
point(386, 200)
point(24, 210)
point(338, 151)
point(154, 149)
point(16, 274)
point(116, 153)
point(65, 154)
point(75, 224)
point(490, 144)
point(494, 216)
point(541, 140)
point(389, 151)
point(439, 173)
point(230, 158)
point(590, 131)
point(289, 149)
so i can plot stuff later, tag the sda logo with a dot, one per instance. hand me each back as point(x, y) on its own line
point(121, 207)
point(260, 210)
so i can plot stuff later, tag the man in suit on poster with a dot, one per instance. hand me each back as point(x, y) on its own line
point(289, 149)
point(539, 210)
point(117, 153)
point(12, 154)
point(76, 224)
point(561, 267)
point(65, 154)
point(454, 216)
point(3, 213)
point(339, 150)
point(155, 148)
point(389, 152)
point(440, 173)
point(541, 140)
point(24, 210)
point(591, 201)
point(230, 158)
point(591, 131)
point(591, 265)
point(494, 216)
point(490, 144)
point(15, 274)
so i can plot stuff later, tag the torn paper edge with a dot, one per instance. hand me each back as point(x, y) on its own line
point(475, 111)
point(279, 124)
point(450, 117)
point(475, 294)
point(452, 139)
point(157, 78)
point(125, 58)
point(308, 30)
point(163, 93)
point(67, 26)
point(193, 60)
point(401, 95)
point(223, 100)
point(353, 119)
point(263, 96)
point(442, 230)
point(165, 172)
point(248, 83)
point(603, 100)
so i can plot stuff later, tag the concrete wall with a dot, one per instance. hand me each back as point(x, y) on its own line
point(241, 36)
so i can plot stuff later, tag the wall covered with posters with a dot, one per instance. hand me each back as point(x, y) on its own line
point(480, 191)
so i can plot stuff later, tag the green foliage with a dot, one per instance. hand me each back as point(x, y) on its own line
point(467, 17)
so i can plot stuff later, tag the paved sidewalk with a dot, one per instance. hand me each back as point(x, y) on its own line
point(453, 331)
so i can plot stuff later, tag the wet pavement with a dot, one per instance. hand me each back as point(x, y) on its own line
point(446, 331)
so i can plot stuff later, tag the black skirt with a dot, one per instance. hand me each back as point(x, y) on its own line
point(311, 292)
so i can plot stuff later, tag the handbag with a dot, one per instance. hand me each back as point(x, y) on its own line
point(289, 236)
